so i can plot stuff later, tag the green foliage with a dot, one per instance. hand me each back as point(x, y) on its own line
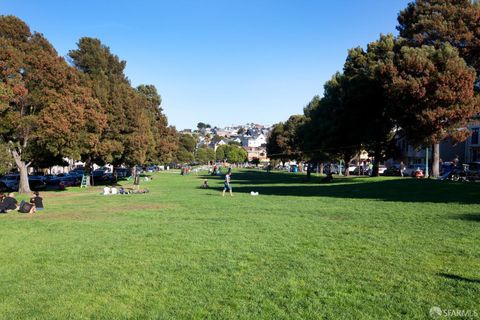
point(431, 91)
point(188, 142)
point(184, 156)
point(286, 139)
point(436, 22)
point(220, 153)
point(95, 59)
point(202, 126)
point(276, 142)
point(44, 104)
point(255, 161)
point(137, 130)
point(232, 153)
point(204, 155)
point(6, 161)
point(234, 143)
point(329, 130)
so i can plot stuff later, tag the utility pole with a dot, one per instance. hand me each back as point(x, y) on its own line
point(426, 162)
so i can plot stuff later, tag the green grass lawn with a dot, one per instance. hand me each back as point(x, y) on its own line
point(357, 248)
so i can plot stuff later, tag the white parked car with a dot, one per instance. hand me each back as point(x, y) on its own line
point(381, 169)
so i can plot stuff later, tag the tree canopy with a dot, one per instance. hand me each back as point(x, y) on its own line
point(87, 110)
point(231, 153)
point(44, 104)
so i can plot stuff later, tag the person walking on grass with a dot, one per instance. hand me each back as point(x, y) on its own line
point(226, 185)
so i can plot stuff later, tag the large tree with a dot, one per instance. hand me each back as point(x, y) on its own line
point(186, 148)
point(329, 128)
point(276, 143)
point(435, 22)
point(43, 104)
point(103, 72)
point(285, 141)
point(138, 131)
point(165, 137)
point(204, 155)
point(365, 98)
point(431, 94)
point(231, 153)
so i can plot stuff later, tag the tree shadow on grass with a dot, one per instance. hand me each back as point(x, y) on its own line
point(385, 189)
point(468, 217)
point(457, 278)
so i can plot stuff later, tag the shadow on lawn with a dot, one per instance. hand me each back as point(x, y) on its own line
point(457, 278)
point(386, 189)
point(468, 217)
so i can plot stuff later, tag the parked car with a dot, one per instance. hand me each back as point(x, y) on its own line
point(153, 168)
point(3, 187)
point(381, 169)
point(393, 171)
point(37, 183)
point(11, 181)
point(78, 172)
point(100, 176)
point(123, 173)
point(71, 180)
point(352, 168)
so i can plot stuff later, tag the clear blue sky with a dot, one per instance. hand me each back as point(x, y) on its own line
point(220, 62)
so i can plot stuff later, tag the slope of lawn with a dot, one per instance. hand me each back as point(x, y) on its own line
point(357, 248)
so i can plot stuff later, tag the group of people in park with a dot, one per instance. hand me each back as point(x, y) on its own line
point(9, 203)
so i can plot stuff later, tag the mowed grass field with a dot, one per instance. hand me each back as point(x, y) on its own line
point(357, 248)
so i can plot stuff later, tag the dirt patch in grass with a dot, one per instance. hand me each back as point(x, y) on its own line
point(336, 218)
point(107, 213)
point(64, 194)
point(77, 216)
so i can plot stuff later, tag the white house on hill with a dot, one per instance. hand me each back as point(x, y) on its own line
point(254, 142)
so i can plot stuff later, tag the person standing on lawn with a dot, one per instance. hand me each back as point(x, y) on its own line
point(226, 185)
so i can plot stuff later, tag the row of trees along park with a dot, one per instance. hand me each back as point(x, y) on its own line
point(423, 83)
point(83, 109)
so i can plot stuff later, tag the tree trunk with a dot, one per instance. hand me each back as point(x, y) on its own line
point(321, 168)
point(346, 160)
point(376, 161)
point(88, 170)
point(24, 186)
point(436, 160)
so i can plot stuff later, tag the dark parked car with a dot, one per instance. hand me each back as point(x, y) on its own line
point(100, 176)
point(122, 173)
point(3, 187)
point(393, 170)
point(71, 180)
point(37, 183)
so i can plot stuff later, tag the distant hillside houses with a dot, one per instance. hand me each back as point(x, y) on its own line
point(252, 137)
point(254, 141)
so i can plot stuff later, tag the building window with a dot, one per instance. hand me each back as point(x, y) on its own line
point(475, 154)
point(475, 136)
